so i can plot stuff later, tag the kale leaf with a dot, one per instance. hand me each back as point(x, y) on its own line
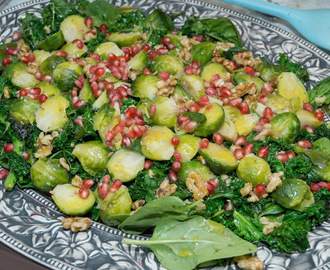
point(287, 65)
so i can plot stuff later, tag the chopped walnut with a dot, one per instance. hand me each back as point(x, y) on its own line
point(47, 29)
point(224, 46)
point(225, 62)
point(76, 224)
point(246, 189)
point(273, 82)
point(182, 103)
point(138, 204)
point(132, 74)
point(166, 88)
point(234, 147)
point(165, 189)
point(184, 55)
point(251, 99)
point(244, 88)
point(33, 67)
point(266, 131)
point(151, 174)
point(227, 179)
point(44, 140)
point(196, 185)
point(23, 49)
point(44, 151)
point(144, 36)
point(6, 94)
point(64, 164)
point(274, 181)
point(320, 100)
point(269, 226)
point(249, 263)
point(253, 197)
point(247, 59)
point(201, 160)
point(201, 206)
point(86, 69)
point(77, 181)
point(88, 36)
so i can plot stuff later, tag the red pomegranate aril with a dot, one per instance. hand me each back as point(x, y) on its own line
point(145, 47)
point(152, 54)
point(161, 51)
point(99, 72)
point(170, 46)
point(106, 179)
point(258, 127)
point(103, 190)
point(116, 185)
point(214, 182)
point(225, 91)
point(305, 144)
point(248, 148)
point(263, 151)
point(88, 183)
point(244, 108)
point(268, 113)
point(135, 50)
point(164, 40)
point(239, 153)
point(153, 109)
point(24, 59)
point(126, 142)
point(315, 187)
point(263, 99)
point(249, 70)
point(282, 157)
point(16, 35)
point(177, 156)
point(6, 61)
point(264, 120)
point(309, 129)
point(42, 98)
point(175, 141)
point(260, 189)
point(9, 147)
point(308, 107)
point(83, 193)
point(194, 107)
point(225, 100)
point(203, 101)
point(31, 57)
point(110, 134)
point(235, 102)
point(210, 188)
point(78, 121)
point(215, 77)
point(103, 28)
point(131, 112)
point(241, 140)
point(62, 53)
point(35, 91)
point(88, 22)
point(217, 138)
point(3, 174)
point(204, 144)
point(229, 206)
point(290, 154)
point(165, 76)
point(176, 166)
point(319, 114)
point(147, 164)
point(173, 177)
point(198, 38)
point(322, 184)
point(23, 92)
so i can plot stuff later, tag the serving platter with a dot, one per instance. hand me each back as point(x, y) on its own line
point(31, 223)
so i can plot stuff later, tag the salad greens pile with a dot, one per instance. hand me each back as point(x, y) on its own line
point(181, 133)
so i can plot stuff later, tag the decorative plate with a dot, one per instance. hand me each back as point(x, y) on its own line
point(30, 223)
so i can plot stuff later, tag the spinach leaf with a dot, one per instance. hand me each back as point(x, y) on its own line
point(159, 20)
point(102, 12)
point(199, 118)
point(186, 244)
point(321, 90)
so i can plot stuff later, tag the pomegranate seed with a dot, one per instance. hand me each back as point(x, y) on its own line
point(126, 141)
point(25, 155)
point(83, 193)
point(309, 129)
point(282, 157)
point(78, 121)
point(323, 184)
point(173, 177)
point(106, 179)
point(177, 156)
point(203, 101)
point(103, 28)
point(198, 38)
point(161, 51)
point(165, 76)
point(152, 109)
point(210, 188)
point(103, 190)
point(263, 99)
point(244, 108)
point(170, 46)
point(16, 35)
point(235, 102)
point(9, 147)
point(88, 22)
point(31, 57)
point(248, 148)
point(152, 54)
point(239, 153)
point(164, 40)
point(263, 151)
point(264, 120)
point(42, 98)
point(23, 92)
point(88, 183)
point(290, 154)
point(188, 70)
point(146, 71)
point(225, 100)
point(62, 53)
point(99, 72)
point(215, 77)
point(319, 114)
point(204, 144)
point(315, 187)
point(217, 138)
point(225, 91)
point(78, 84)
point(96, 57)
point(260, 190)
point(3, 174)
point(147, 164)
point(32, 96)
point(6, 61)
point(52, 192)
point(241, 140)
point(249, 70)
point(24, 59)
point(131, 112)
point(229, 206)
point(110, 134)
point(214, 182)
point(305, 144)
point(115, 185)
point(268, 113)
point(135, 50)
point(308, 107)
point(194, 107)
point(176, 166)
point(145, 47)
point(266, 89)
point(175, 141)
point(258, 127)
point(35, 91)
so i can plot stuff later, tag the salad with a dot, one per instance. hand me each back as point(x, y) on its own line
point(182, 133)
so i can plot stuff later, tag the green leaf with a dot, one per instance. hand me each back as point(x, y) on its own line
point(102, 12)
point(185, 244)
point(195, 116)
point(247, 227)
point(321, 90)
point(159, 20)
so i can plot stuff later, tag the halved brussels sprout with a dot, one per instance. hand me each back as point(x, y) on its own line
point(52, 42)
point(203, 52)
point(166, 112)
point(180, 92)
point(46, 174)
point(101, 100)
point(145, 86)
point(193, 85)
point(108, 47)
point(9, 70)
point(308, 118)
point(246, 78)
point(115, 205)
point(73, 27)
point(73, 51)
point(167, 63)
point(139, 61)
point(244, 125)
point(41, 55)
point(254, 170)
point(156, 143)
point(52, 114)
point(125, 165)
point(175, 40)
point(49, 89)
point(188, 146)
point(49, 64)
point(67, 199)
point(232, 113)
point(23, 79)
point(228, 130)
point(219, 159)
point(215, 116)
point(194, 166)
point(103, 116)
point(290, 87)
point(93, 156)
point(24, 110)
point(278, 104)
point(294, 194)
point(65, 74)
point(286, 126)
point(212, 69)
point(86, 93)
point(125, 39)
point(106, 126)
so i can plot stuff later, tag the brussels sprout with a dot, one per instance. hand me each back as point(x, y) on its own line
point(103, 116)
point(323, 145)
point(289, 86)
point(254, 170)
point(156, 143)
point(194, 166)
point(219, 159)
point(49, 89)
point(23, 79)
point(139, 61)
point(212, 69)
point(203, 52)
point(215, 116)
point(278, 104)
point(193, 85)
point(67, 199)
point(286, 126)
point(125, 165)
point(159, 20)
point(73, 51)
point(73, 27)
point(188, 146)
point(228, 130)
point(46, 174)
point(175, 40)
point(115, 205)
point(101, 100)
point(52, 42)
point(246, 78)
point(180, 92)
point(125, 39)
point(294, 194)
point(244, 125)
point(167, 63)
point(52, 114)
point(308, 118)
point(232, 113)
point(9, 70)
point(93, 156)
point(48, 65)
point(24, 110)
point(108, 47)
point(65, 74)
point(86, 93)
point(41, 55)
point(166, 112)
point(268, 71)
point(145, 86)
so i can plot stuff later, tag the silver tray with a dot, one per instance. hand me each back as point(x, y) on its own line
point(30, 223)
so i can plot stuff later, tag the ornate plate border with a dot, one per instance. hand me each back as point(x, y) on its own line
point(30, 223)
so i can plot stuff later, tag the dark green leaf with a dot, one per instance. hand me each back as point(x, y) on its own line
point(102, 12)
point(321, 90)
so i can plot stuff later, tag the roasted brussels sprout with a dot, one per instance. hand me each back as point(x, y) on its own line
point(278, 104)
point(203, 52)
point(232, 113)
point(9, 70)
point(244, 125)
point(308, 118)
point(193, 85)
point(93, 156)
point(52, 42)
point(101, 100)
point(103, 116)
point(166, 112)
point(286, 126)
point(254, 170)
point(194, 166)
point(73, 27)
point(46, 174)
point(49, 89)
point(41, 55)
point(24, 110)
point(73, 51)
point(188, 146)
point(23, 79)
point(246, 78)
point(86, 93)
point(125, 39)
point(108, 47)
point(228, 130)
point(167, 63)
point(65, 74)
point(139, 61)
point(212, 69)
point(294, 194)
point(49, 64)
point(145, 86)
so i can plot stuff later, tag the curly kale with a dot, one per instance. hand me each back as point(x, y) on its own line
point(287, 65)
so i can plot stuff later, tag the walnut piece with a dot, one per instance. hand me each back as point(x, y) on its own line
point(266, 131)
point(196, 185)
point(165, 189)
point(76, 181)
point(274, 181)
point(6, 94)
point(44, 151)
point(76, 224)
point(253, 197)
point(64, 164)
point(166, 88)
point(247, 59)
point(246, 189)
point(23, 49)
point(244, 88)
point(249, 263)
point(138, 204)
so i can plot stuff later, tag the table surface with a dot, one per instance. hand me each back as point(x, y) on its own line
point(13, 260)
